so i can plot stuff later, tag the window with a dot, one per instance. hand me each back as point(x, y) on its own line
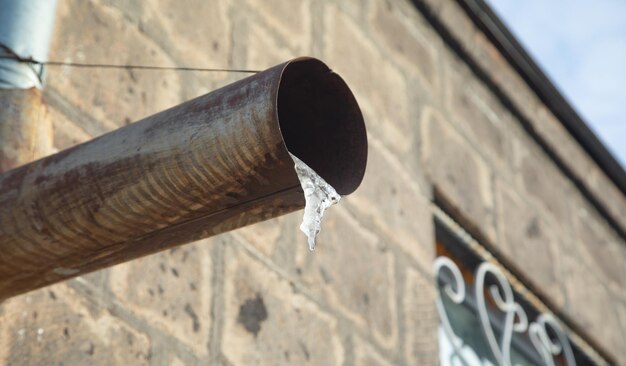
point(484, 320)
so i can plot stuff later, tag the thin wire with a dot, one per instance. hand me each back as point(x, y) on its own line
point(127, 67)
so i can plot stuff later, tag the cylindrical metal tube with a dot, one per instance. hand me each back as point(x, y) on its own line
point(204, 167)
point(25, 30)
point(25, 128)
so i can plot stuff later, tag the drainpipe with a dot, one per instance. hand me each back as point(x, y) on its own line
point(25, 128)
point(207, 166)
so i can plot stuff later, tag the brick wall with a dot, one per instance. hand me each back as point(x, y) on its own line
point(365, 296)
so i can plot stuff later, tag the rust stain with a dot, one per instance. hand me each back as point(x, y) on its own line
point(25, 127)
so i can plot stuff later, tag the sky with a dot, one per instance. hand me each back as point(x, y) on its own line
point(581, 46)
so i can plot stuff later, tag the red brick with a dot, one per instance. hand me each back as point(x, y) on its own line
point(66, 132)
point(591, 305)
point(421, 319)
point(543, 181)
point(473, 110)
point(263, 51)
point(365, 296)
point(602, 247)
point(530, 242)
point(392, 202)
point(366, 355)
point(55, 326)
point(267, 323)
point(171, 290)
point(291, 19)
point(91, 33)
point(404, 35)
point(378, 85)
point(458, 172)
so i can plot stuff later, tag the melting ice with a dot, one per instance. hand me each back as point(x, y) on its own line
point(318, 196)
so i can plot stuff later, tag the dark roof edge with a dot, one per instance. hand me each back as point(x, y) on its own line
point(490, 24)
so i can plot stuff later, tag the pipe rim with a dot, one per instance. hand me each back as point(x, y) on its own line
point(321, 123)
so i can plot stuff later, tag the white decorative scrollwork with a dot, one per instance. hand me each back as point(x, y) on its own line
point(501, 352)
point(515, 318)
point(546, 347)
point(457, 295)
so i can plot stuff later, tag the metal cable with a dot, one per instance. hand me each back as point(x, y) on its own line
point(114, 66)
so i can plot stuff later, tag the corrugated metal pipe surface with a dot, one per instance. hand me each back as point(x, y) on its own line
point(210, 165)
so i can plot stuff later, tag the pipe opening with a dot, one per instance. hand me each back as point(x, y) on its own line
point(322, 124)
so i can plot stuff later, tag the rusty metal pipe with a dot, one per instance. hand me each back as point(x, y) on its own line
point(25, 127)
point(210, 165)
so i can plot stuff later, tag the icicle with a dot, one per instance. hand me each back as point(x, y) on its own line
point(318, 196)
